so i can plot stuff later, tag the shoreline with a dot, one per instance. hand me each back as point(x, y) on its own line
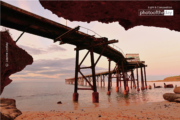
point(157, 110)
point(165, 81)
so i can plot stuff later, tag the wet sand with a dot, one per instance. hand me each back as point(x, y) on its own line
point(154, 111)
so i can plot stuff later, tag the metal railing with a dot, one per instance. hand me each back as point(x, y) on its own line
point(117, 48)
point(111, 45)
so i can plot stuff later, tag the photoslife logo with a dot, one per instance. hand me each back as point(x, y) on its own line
point(6, 55)
point(156, 11)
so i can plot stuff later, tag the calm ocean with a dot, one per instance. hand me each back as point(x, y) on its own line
point(43, 96)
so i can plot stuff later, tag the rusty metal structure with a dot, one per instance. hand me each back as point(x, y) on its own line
point(25, 21)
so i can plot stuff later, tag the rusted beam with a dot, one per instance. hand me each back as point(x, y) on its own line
point(84, 58)
point(100, 55)
point(85, 67)
point(84, 88)
point(66, 33)
point(22, 33)
point(86, 79)
point(95, 45)
point(103, 39)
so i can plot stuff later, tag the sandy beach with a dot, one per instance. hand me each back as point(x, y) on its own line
point(155, 111)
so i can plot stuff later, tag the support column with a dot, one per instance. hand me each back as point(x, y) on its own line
point(76, 95)
point(111, 82)
point(134, 84)
point(101, 80)
point(124, 79)
point(120, 79)
point(95, 94)
point(109, 77)
point(142, 81)
point(117, 80)
point(127, 80)
point(145, 77)
point(97, 80)
point(89, 80)
point(137, 80)
point(85, 82)
point(104, 80)
point(131, 80)
point(81, 80)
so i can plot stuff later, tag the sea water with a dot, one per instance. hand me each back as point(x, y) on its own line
point(43, 96)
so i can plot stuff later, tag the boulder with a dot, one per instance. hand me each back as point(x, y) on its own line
point(13, 59)
point(177, 90)
point(177, 100)
point(8, 109)
point(172, 97)
point(127, 13)
point(59, 102)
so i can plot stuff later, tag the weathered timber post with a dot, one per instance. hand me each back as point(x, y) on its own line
point(97, 80)
point(104, 80)
point(111, 81)
point(124, 79)
point(142, 81)
point(131, 79)
point(76, 95)
point(127, 80)
point(145, 77)
point(101, 80)
point(120, 79)
point(85, 83)
point(89, 80)
point(137, 79)
point(95, 94)
point(117, 79)
point(134, 84)
point(109, 78)
point(82, 81)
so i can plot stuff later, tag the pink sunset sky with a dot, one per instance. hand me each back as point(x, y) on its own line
point(158, 47)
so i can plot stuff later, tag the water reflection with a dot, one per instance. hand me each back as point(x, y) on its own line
point(96, 104)
point(76, 105)
point(44, 96)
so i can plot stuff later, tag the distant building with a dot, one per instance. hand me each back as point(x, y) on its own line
point(135, 56)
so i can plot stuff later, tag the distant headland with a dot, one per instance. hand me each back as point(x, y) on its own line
point(169, 79)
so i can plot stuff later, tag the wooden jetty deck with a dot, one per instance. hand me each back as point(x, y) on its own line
point(25, 21)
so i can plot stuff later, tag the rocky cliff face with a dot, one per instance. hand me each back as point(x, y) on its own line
point(13, 59)
point(124, 12)
point(8, 109)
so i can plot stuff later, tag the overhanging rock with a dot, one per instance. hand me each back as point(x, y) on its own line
point(124, 12)
point(13, 59)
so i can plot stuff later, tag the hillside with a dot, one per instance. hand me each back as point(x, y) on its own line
point(168, 79)
point(173, 78)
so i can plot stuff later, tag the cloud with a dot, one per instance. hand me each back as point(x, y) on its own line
point(52, 69)
point(38, 51)
point(24, 5)
point(35, 51)
point(55, 48)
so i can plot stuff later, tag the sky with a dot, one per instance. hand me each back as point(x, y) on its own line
point(158, 47)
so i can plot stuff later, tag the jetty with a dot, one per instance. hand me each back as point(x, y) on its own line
point(123, 71)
